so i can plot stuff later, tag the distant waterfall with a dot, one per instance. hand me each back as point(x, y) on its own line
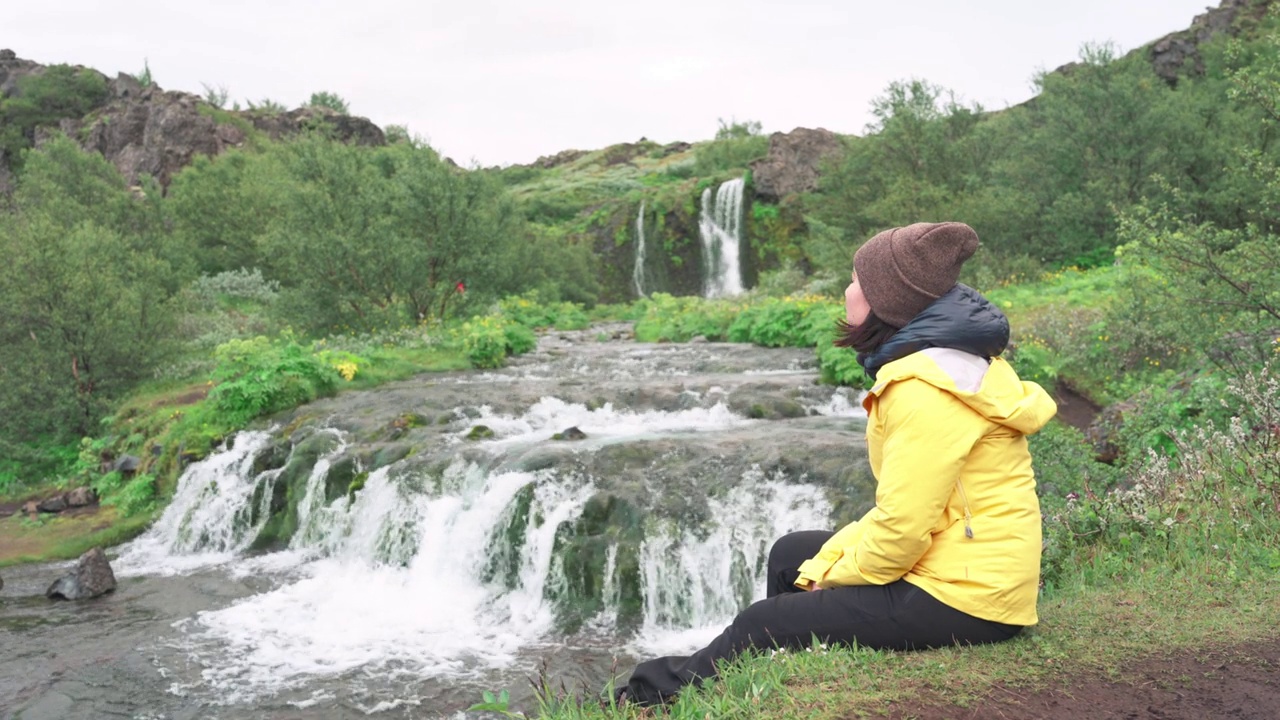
point(637, 272)
point(721, 230)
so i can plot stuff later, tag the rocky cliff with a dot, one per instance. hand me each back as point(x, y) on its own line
point(146, 131)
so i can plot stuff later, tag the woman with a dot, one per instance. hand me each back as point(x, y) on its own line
point(950, 554)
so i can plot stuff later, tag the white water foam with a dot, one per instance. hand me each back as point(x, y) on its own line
point(696, 580)
point(204, 524)
point(401, 594)
point(551, 415)
point(840, 405)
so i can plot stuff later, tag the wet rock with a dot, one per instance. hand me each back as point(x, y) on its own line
point(82, 497)
point(480, 432)
point(92, 577)
point(55, 504)
point(572, 433)
point(1, 583)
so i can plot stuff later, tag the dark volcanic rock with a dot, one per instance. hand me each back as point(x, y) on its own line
point(146, 131)
point(55, 504)
point(572, 433)
point(92, 577)
point(793, 162)
point(1170, 54)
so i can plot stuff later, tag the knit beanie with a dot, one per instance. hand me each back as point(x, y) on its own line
point(903, 270)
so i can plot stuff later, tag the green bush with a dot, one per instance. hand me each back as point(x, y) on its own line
point(667, 318)
point(488, 340)
point(61, 91)
point(1035, 362)
point(258, 377)
point(839, 366)
point(786, 322)
point(1212, 501)
point(528, 310)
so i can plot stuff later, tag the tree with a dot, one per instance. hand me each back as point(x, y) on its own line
point(367, 238)
point(87, 284)
point(1214, 285)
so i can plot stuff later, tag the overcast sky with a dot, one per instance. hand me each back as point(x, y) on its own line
point(500, 82)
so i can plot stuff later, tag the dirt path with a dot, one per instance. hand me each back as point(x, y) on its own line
point(1234, 683)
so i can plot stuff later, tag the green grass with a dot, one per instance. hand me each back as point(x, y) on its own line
point(1100, 626)
point(64, 537)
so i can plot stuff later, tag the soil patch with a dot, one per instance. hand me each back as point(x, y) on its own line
point(1241, 682)
point(1074, 409)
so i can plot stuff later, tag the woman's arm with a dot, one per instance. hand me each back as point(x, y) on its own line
point(928, 434)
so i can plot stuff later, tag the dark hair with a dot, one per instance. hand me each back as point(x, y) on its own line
point(866, 337)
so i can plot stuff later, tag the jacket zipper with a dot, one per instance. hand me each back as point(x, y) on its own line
point(968, 518)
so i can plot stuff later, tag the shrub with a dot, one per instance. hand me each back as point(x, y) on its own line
point(1214, 501)
point(258, 377)
point(242, 284)
point(487, 341)
point(667, 318)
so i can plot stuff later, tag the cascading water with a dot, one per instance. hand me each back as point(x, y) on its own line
point(464, 564)
point(637, 270)
point(720, 228)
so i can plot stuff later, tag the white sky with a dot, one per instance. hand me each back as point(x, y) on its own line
point(500, 82)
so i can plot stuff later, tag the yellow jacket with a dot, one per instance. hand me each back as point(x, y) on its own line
point(956, 508)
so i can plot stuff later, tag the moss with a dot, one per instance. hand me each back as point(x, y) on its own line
point(357, 484)
point(480, 432)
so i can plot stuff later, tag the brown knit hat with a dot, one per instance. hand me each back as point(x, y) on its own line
point(903, 270)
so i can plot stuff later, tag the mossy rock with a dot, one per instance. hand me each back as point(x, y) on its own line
point(357, 484)
point(341, 474)
point(480, 432)
point(273, 457)
point(389, 454)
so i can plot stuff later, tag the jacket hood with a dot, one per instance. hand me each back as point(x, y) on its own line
point(952, 345)
point(961, 319)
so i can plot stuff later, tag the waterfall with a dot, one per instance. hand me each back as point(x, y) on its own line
point(637, 271)
point(454, 566)
point(720, 227)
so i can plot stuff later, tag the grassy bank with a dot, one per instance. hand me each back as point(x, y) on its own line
point(1086, 628)
point(168, 423)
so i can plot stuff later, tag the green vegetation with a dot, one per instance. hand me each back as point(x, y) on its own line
point(326, 99)
point(1129, 230)
point(60, 91)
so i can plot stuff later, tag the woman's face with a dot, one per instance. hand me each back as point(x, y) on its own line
point(856, 308)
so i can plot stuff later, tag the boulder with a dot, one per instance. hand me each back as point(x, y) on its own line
point(1, 583)
point(793, 163)
point(91, 577)
point(127, 464)
point(81, 497)
point(55, 504)
point(572, 433)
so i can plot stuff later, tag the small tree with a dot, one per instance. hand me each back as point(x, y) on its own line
point(144, 76)
point(329, 100)
point(216, 96)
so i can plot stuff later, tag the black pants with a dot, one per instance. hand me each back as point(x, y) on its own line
point(897, 616)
